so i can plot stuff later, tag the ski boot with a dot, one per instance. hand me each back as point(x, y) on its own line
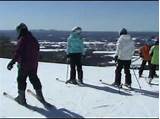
point(80, 81)
point(72, 81)
point(117, 85)
point(21, 98)
point(128, 86)
point(150, 80)
point(156, 76)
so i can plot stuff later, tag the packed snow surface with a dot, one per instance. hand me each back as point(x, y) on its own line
point(92, 100)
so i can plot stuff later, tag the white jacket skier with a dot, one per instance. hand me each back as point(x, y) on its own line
point(125, 47)
point(123, 56)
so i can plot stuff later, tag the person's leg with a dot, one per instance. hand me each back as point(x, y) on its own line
point(151, 74)
point(142, 68)
point(73, 70)
point(118, 72)
point(21, 80)
point(149, 66)
point(72, 66)
point(155, 75)
point(127, 72)
point(36, 85)
point(79, 68)
point(33, 78)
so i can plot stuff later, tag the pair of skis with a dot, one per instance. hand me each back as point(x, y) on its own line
point(119, 87)
point(46, 104)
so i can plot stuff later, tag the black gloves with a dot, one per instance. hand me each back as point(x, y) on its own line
point(116, 58)
point(10, 64)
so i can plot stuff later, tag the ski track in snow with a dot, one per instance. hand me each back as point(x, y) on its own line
point(91, 100)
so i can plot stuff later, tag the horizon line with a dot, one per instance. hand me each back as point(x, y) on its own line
point(82, 30)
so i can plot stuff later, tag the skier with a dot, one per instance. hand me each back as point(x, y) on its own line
point(154, 52)
point(144, 54)
point(26, 55)
point(75, 52)
point(124, 52)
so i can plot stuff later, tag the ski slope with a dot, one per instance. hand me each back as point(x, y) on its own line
point(93, 100)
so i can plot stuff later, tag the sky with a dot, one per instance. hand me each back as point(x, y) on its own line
point(90, 15)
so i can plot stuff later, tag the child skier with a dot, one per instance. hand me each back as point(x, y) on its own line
point(26, 55)
point(75, 50)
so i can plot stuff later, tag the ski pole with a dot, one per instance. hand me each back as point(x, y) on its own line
point(137, 80)
point(67, 71)
point(136, 59)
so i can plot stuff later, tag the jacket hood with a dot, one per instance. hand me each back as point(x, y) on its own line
point(125, 37)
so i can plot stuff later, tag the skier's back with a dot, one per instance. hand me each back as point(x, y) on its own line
point(123, 56)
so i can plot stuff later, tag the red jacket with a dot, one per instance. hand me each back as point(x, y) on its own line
point(144, 52)
point(27, 52)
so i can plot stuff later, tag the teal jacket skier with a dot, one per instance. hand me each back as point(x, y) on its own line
point(75, 44)
point(75, 50)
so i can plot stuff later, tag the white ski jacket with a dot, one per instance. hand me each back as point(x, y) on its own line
point(125, 47)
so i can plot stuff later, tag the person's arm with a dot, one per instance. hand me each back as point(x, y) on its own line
point(19, 50)
point(140, 52)
point(118, 47)
point(68, 45)
point(82, 47)
point(17, 55)
point(151, 50)
point(133, 48)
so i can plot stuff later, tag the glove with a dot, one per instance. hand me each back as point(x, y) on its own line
point(116, 58)
point(10, 65)
point(68, 60)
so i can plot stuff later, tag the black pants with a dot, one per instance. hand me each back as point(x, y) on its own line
point(152, 71)
point(75, 62)
point(22, 76)
point(142, 66)
point(120, 65)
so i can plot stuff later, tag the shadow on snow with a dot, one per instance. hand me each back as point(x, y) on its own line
point(54, 112)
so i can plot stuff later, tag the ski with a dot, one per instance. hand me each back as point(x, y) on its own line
point(111, 85)
point(46, 104)
point(7, 95)
point(125, 89)
point(78, 84)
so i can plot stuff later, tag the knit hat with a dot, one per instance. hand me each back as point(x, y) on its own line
point(123, 32)
point(76, 28)
point(20, 27)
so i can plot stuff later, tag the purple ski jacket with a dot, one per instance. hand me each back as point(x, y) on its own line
point(26, 53)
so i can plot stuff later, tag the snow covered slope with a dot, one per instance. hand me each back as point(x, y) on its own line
point(93, 100)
